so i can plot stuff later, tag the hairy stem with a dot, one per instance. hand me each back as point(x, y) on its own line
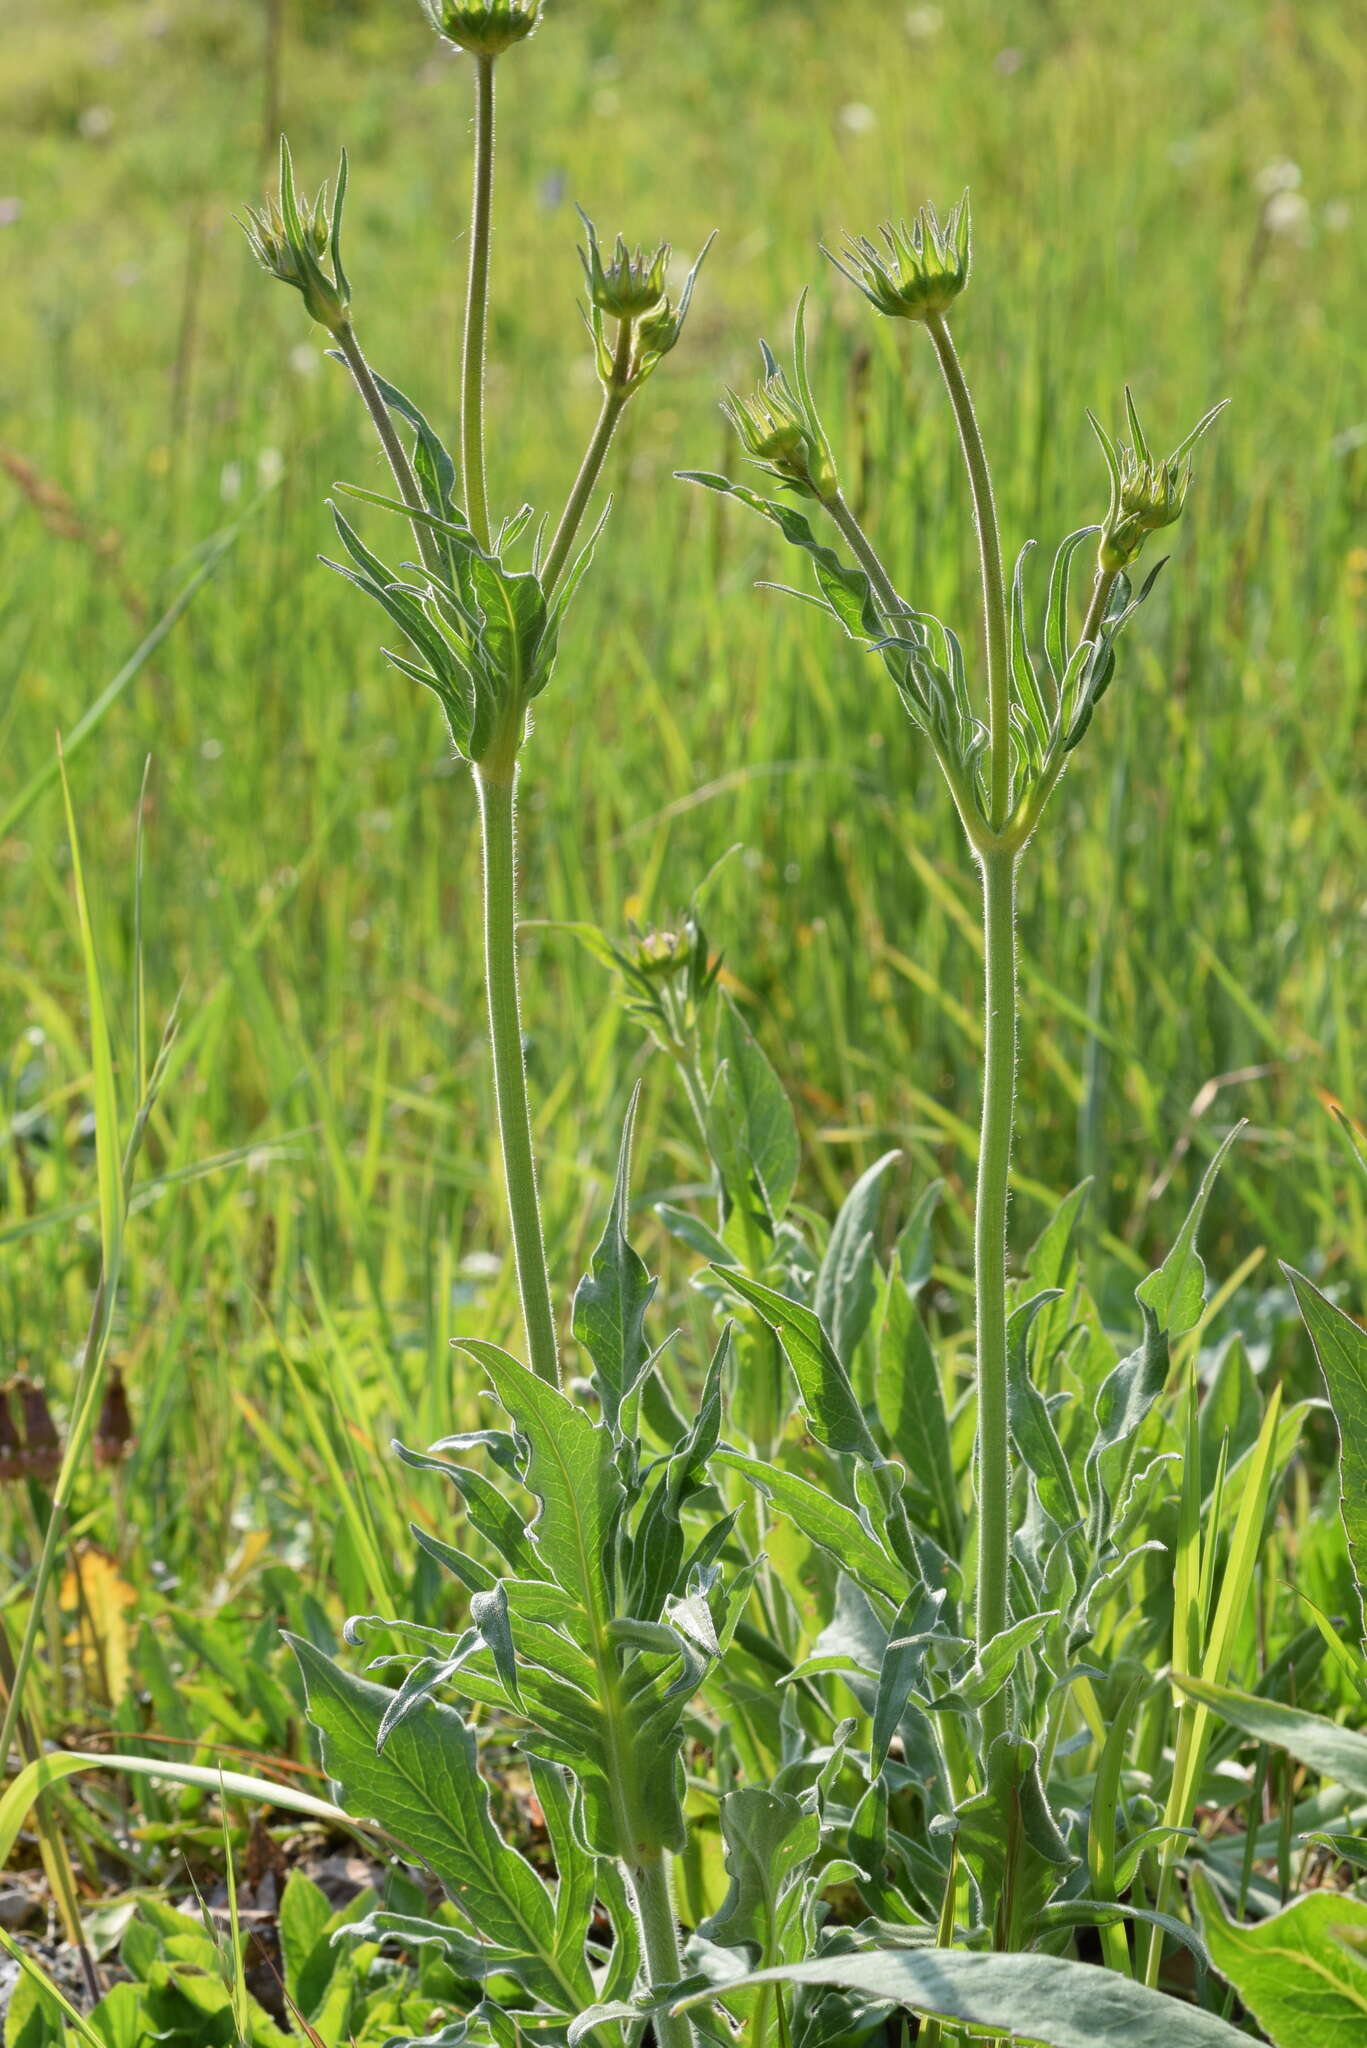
point(477, 307)
point(660, 1943)
point(990, 557)
point(405, 482)
point(497, 788)
point(994, 1166)
point(614, 405)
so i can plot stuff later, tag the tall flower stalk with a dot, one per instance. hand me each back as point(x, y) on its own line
point(1002, 762)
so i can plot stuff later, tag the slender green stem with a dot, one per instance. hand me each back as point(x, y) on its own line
point(660, 1943)
point(1031, 808)
point(994, 1166)
point(497, 788)
point(614, 405)
point(406, 483)
point(477, 307)
point(993, 578)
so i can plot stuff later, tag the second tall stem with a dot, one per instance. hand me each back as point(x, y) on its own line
point(994, 1166)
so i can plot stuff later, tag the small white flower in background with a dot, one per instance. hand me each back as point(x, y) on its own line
point(211, 750)
point(923, 23)
point(230, 482)
point(857, 119)
point(304, 360)
point(1338, 216)
point(1287, 214)
point(1281, 175)
point(11, 210)
point(270, 467)
point(1008, 62)
point(94, 123)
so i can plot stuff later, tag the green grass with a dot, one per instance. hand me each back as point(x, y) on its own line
point(310, 849)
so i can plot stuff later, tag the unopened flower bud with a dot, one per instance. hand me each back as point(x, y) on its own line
point(778, 426)
point(485, 28)
point(301, 243)
point(1146, 494)
point(921, 268)
point(629, 283)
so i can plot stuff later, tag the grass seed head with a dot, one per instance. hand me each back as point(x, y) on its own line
point(921, 267)
point(484, 28)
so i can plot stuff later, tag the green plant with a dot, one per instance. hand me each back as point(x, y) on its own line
point(661, 1597)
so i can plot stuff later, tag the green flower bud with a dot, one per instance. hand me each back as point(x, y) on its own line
point(486, 28)
point(1146, 495)
point(630, 283)
point(920, 270)
point(778, 426)
point(301, 243)
point(630, 287)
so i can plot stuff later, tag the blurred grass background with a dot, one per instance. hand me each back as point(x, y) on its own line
point(1170, 196)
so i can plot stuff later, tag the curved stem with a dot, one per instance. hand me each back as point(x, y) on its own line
point(406, 483)
point(477, 307)
point(994, 1165)
point(660, 1944)
point(496, 808)
point(614, 405)
point(990, 557)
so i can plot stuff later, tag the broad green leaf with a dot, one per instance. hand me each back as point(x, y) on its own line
point(911, 1407)
point(1341, 1348)
point(828, 1399)
point(845, 1285)
point(1176, 1293)
point(309, 1958)
point(1302, 1973)
point(1032, 1426)
point(1010, 1840)
point(825, 1522)
point(569, 1469)
point(770, 1842)
point(1339, 1753)
point(751, 1119)
point(425, 1789)
point(1027, 1998)
point(611, 1300)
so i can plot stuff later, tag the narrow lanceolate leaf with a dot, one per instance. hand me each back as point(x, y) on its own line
point(569, 1469)
point(827, 1523)
point(828, 1399)
point(846, 1288)
point(753, 1130)
point(424, 1788)
point(1341, 1348)
point(1339, 1753)
point(1032, 1426)
point(1302, 1973)
point(1036, 1998)
point(611, 1300)
point(1176, 1293)
point(911, 1406)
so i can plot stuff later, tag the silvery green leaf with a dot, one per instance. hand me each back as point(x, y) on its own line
point(826, 1522)
point(425, 1789)
point(1032, 1425)
point(911, 1408)
point(1176, 1292)
point(1007, 1831)
point(489, 1510)
point(828, 1400)
point(845, 1290)
point(611, 1300)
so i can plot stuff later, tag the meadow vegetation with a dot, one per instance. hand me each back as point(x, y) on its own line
point(314, 1180)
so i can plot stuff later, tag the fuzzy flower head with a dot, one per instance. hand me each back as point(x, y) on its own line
point(778, 425)
point(1147, 494)
point(628, 283)
point(485, 28)
point(300, 243)
point(921, 267)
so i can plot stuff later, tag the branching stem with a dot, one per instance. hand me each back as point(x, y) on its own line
point(614, 405)
point(406, 483)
